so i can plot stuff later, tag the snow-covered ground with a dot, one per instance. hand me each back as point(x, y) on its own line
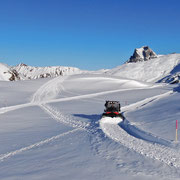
point(52, 129)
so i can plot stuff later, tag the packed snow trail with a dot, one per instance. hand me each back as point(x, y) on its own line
point(158, 150)
point(15, 107)
point(155, 151)
point(13, 153)
point(49, 90)
point(65, 119)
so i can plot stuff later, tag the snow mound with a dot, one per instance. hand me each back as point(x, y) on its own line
point(110, 120)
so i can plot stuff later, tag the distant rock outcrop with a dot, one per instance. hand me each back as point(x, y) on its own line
point(14, 75)
point(142, 54)
point(7, 73)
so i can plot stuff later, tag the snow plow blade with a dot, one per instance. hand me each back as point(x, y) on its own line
point(112, 114)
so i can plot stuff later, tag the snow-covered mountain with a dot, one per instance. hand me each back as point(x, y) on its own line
point(163, 68)
point(30, 72)
point(25, 72)
point(144, 65)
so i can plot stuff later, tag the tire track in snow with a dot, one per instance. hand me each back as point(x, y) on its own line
point(38, 144)
point(46, 92)
point(15, 107)
point(49, 91)
point(155, 151)
point(65, 119)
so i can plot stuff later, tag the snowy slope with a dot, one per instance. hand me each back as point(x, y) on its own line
point(56, 132)
point(150, 71)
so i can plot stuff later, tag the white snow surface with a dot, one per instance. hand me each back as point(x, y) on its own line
point(149, 71)
point(52, 129)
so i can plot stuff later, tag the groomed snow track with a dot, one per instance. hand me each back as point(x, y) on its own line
point(139, 141)
point(65, 119)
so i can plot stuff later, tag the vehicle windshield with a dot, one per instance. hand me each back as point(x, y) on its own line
point(112, 106)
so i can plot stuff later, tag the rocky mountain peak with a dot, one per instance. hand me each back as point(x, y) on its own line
point(142, 54)
point(22, 64)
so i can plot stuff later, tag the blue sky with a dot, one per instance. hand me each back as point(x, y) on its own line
point(89, 34)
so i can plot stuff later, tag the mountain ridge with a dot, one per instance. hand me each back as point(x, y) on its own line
point(25, 72)
point(144, 65)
